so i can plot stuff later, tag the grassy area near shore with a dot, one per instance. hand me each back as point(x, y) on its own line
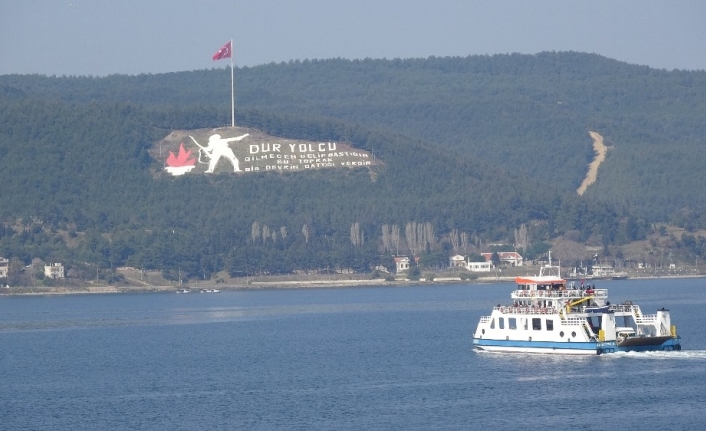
point(140, 281)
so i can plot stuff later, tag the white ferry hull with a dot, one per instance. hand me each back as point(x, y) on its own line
point(538, 347)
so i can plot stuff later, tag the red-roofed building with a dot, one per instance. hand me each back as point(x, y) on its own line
point(511, 258)
point(401, 263)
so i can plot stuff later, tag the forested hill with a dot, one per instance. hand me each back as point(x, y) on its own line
point(525, 113)
point(79, 187)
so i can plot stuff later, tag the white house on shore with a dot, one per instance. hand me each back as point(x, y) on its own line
point(479, 266)
point(4, 267)
point(457, 261)
point(401, 263)
point(54, 270)
point(511, 258)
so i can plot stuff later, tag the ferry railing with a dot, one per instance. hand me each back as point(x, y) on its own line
point(511, 309)
point(635, 311)
point(574, 321)
point(646, 319)
point(537, 311)
point(569, 293)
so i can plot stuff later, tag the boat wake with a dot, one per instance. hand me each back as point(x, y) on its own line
point(680, 355)
point(655, 355)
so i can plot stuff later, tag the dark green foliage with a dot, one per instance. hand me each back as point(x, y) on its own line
point(85, 168)
point(694, 244)
point(475, 258)
point(507, 144)
point(536, 250)
point(434, 259)
point(525, 113)
point(414, 273)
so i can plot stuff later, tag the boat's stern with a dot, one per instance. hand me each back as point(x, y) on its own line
point(674, 343)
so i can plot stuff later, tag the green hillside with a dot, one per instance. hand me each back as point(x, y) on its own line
point(523, 113)
point(472, 150)
point(80, 186)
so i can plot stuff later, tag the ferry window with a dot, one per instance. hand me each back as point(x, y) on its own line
point(537, 324)
point(594, 322)
point(492, 323)
point(501, 322)
point(512, 323)
point(550, 325)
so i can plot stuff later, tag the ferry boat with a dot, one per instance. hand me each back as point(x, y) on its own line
point(607, 272)
point(549, 316)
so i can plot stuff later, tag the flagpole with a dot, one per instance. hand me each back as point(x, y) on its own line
point(232, 88)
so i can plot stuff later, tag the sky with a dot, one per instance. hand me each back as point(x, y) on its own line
point(104, 37)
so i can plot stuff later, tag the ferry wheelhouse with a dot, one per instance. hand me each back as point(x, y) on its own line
point(548, 316)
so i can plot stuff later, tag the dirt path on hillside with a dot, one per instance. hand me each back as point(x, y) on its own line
point(601, 150)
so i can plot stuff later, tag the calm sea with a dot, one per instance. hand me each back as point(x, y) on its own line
point(327, 359)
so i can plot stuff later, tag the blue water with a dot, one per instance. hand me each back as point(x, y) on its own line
point(350, 358)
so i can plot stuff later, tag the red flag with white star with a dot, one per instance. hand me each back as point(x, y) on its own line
point(224, 52)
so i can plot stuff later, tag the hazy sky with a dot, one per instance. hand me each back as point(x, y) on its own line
point(102, 37)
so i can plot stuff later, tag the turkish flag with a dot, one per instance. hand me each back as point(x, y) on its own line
point(224, 52)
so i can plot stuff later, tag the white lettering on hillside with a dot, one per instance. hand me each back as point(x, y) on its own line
point(267, 156)
point(270, 156)
point(293, 148)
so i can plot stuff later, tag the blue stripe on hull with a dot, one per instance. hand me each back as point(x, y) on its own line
point(560, 347)
point(549, 345)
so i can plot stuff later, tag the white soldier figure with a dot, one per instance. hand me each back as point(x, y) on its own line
point(218, 147)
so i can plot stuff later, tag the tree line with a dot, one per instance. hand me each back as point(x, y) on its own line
point(80, 187)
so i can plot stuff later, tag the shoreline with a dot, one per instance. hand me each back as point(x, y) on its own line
point(285, 284)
